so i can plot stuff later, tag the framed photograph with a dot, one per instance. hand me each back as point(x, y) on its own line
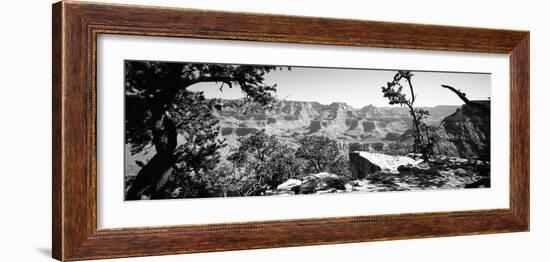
point(181, 130)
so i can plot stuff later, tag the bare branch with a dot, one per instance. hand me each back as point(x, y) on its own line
point(228, 80)
point(413, 97)
point(463, 97)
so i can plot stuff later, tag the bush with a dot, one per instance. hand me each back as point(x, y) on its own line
point(321, 154)
point(261, 163)
point(340, 166)
point(267, 160)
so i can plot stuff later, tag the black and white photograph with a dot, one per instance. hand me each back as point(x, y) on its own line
point(202, 130)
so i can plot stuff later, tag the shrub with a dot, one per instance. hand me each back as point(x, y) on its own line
point(322, 155)
point(267, 160)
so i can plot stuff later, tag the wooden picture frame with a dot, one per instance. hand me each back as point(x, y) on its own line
point(76, 26)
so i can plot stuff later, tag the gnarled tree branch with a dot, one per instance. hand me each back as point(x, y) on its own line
point(467, 101)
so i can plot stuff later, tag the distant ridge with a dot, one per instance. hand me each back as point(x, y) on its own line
point(337, 120)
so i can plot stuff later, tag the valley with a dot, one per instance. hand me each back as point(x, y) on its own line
point(369, 128)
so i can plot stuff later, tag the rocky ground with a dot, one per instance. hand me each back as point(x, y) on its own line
point(440, 172)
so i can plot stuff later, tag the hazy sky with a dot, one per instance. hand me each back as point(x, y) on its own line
point(361, 87)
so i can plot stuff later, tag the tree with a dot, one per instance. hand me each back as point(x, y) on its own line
point(159, 106)
point(394, 92)
point(320, 152)
point(264, 157)
point(257, 145)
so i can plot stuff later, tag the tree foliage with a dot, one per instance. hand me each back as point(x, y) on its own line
point(261, 162)
point(158, 87)
point(269, 161)
point(160, 108)
point(322, 155)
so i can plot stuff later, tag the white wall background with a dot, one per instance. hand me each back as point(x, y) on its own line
point(25, 157)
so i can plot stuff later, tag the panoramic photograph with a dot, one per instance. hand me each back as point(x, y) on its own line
point(203, 130)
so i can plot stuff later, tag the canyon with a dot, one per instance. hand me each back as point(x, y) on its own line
point(462, 131)
point(369, 128)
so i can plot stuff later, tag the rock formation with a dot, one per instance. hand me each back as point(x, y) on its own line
point(311, 184)
point(465, 133)
point(365, 163)
point(369, 127)
point(469, 130)
point(290, 185)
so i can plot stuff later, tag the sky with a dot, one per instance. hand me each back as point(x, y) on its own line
point(362, 87)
